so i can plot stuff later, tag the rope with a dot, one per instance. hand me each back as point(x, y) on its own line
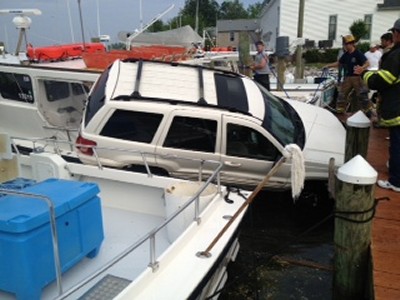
point(294, 152)
point(371, 209)
point(290, 151)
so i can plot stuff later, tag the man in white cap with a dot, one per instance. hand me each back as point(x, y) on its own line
point(374, 56)
point(386, 82)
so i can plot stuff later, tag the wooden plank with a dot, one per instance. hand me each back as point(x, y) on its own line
point(386, 236)
point(387, 280)
point(382, 293)
point(386, 224)
point(386, 262)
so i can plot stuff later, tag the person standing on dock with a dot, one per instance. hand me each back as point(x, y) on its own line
point(386, 81)
point(351, 58)
point(261, 66)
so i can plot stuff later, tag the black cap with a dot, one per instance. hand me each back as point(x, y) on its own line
point(396, 25)
point(259, 43)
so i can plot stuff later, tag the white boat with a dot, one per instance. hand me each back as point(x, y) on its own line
point(108, 232)
point(161, 241)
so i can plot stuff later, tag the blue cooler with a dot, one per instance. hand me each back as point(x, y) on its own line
point(26, 248)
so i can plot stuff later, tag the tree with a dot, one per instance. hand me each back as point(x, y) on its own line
point(254, 10)
point(157, 26)
point(358, 29)
point(231, 10)
point(207, 16)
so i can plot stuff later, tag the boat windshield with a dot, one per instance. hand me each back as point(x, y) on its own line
point(281, 120)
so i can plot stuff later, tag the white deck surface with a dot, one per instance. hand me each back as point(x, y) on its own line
point(121, 230)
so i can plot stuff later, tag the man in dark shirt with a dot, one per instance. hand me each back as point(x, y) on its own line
point(351, 58)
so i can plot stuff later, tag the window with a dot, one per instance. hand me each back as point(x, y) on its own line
point(192, 134)
point(332, 27)
point(132, 126)
point(16, 87)
point(97, 97)
point(231, 36)
point(368, 26)
point(56, 90)
point(231, 92)
point(246, 142)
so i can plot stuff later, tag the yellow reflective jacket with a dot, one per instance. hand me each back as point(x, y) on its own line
point(387, 82)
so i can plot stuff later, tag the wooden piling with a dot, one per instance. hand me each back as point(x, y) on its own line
point(245, 59)
point(352, 237)
point(358, 126)
point(281, 68)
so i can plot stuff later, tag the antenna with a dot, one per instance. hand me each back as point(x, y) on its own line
point(21, 21)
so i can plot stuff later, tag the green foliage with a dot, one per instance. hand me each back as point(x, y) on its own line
point(231, 10)
point(358, 29)
point(157, 26)
point(210, 11)
point(117, 46)
point(254, 10)
point(363, 47)
point(321, 56)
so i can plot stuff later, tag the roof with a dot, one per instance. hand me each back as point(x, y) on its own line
point(238, 25)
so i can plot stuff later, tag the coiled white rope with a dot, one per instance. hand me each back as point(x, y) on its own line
point(293, 152)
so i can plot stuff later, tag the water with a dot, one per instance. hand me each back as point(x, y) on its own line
point(285, 252)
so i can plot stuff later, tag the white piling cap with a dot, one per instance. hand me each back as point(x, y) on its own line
point(357, 171)
point(359, 120)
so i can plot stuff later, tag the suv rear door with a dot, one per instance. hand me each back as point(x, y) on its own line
point(191, 134)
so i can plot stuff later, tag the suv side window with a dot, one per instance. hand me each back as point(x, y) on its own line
point(192, 134)
point(246, 142)
point(133, 126)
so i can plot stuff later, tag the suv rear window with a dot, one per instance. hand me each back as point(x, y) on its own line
point(192, 134)
point(133, 126)
point(97, 97)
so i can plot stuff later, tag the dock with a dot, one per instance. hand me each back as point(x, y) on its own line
point(386, 224)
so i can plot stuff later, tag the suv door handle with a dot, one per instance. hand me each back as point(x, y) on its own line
point(232, 164)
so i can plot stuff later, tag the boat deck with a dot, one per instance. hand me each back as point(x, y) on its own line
point(386, 224)
point(121, 230)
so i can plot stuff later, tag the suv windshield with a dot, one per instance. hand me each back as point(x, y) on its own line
point(281, 120)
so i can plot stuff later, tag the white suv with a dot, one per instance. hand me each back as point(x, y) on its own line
point(174, 110)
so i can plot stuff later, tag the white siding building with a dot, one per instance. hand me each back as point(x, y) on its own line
point(325, 21)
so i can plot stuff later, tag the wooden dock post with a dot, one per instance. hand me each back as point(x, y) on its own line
point(357, 137)
point(244, 54)
point(353, 218)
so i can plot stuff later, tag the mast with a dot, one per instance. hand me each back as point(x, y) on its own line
point(196, 27)
point(80, 17)
point(70, 22)
point(98, 18)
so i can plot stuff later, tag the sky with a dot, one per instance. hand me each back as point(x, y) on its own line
point(60, 22)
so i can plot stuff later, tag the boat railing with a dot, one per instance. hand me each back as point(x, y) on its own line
point(42, 144)
point(53, 228)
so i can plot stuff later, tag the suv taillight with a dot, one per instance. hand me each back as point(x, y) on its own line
point(80, 141)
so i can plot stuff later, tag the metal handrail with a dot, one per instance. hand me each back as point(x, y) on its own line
point(55, 142)
point(53, 226)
